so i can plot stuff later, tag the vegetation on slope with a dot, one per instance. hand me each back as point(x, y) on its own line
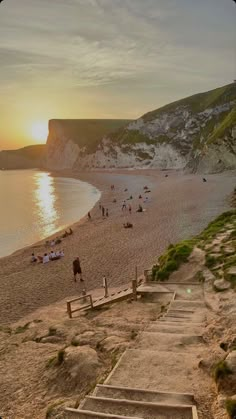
point(32, 152)
point(199, 102)
point(177, 254)
point(23, 158)
point(226, 125)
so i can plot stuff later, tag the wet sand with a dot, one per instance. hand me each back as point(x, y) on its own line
point(179, 206)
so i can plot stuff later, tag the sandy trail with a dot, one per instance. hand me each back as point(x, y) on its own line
point(179, 207)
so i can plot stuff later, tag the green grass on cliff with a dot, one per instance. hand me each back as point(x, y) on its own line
point(89, 132)
point(177, 254)
point(226, 125)
point(198, 102)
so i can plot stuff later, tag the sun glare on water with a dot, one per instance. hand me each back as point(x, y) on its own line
point(39, 131)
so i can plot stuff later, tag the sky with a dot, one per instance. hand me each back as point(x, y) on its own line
point(107, 59)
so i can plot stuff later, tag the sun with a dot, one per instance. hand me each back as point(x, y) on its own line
point(39, 131)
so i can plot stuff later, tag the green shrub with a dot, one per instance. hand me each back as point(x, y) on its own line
point(74, 342)
point(221, 370)
point(133, 334)
point(52, 331)
point(230, 405)
point(172, 259)
point(60, 357)
point(210, 261)
point(22, 329)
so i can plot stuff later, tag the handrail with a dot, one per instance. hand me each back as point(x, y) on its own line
point(69, 302)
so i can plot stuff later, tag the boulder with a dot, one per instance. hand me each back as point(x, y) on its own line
point(221, 285)
point(231, 362)
point(90, 338)
point(114, 343)
point(51, 339)
point(81, 363)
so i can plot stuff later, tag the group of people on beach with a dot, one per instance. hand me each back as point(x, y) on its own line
point(47, 257)
point(58, 239)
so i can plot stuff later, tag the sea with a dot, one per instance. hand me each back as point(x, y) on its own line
point(35, 204)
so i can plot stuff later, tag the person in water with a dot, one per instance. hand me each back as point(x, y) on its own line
point(77, 269)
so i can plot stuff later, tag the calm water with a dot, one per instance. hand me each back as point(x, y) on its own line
point(34, 205)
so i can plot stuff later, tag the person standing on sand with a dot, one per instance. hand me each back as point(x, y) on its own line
point(107, 215)
point(130, 209)
point(103, 211)
point(77, 269)
point(89, 216)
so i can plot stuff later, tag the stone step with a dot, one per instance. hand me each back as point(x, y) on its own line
point(137, 394)
point(88, 414)
point(163, 327)
point(181, 310)
point(168, 341)
point(188, 303)
point(178, 324)
point(141, 409)
point(163, 370)
point(179, 320)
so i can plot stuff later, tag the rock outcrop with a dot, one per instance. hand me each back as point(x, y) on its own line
point(197, 134)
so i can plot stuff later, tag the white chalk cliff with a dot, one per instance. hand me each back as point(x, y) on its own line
point(197, 133)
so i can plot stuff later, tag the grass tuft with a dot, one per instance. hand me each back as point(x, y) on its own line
point(22, 329)
point(230, 405)
point(221, 370)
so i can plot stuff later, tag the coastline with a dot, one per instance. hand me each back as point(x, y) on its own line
point(180, 206)
point(92, 195)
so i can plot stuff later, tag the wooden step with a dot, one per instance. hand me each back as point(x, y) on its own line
point(137, 394)
point(88, 414)
point(141, 409)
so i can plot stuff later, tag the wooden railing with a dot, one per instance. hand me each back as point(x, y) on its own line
point(83, 297)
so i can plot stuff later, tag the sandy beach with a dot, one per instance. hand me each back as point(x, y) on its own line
point(178, 207)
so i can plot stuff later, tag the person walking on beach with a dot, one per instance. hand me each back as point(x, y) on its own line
point(130, 209)
point(89, 216)
point(103, 211)
point(124, 206)
point(107, 215)
point(77, 269)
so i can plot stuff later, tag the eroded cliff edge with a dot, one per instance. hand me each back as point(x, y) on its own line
point(196, 134)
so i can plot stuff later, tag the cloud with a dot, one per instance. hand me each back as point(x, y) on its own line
point(114, 43)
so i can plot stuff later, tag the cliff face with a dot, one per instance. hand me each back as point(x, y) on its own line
point(24, 158)
point(197, 134)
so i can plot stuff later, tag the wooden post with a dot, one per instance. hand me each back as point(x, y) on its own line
point(105, 286)
point(91, 300)
point(84, 293)
point(69, 309)
point(134, 288)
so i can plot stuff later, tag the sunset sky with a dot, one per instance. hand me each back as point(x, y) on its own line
point(107, 58)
